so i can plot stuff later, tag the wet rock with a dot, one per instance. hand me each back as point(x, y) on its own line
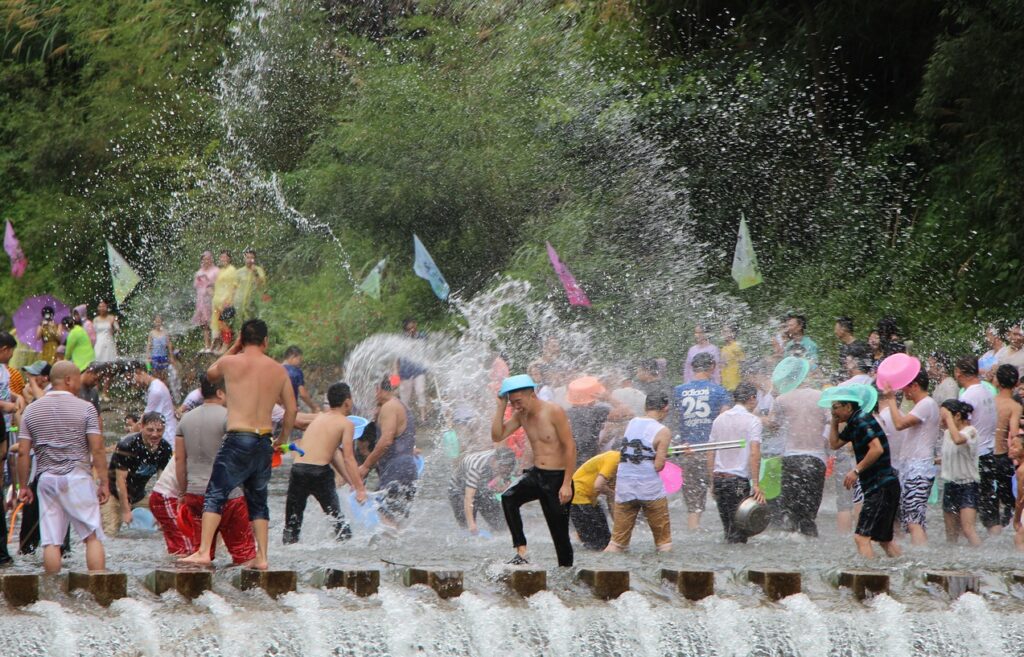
point(446, 583)
point(606, 584)
point(776, 584)
point(105, 586)
point(526, 582)
point(691, 584)
point(864, 583)
point(190, 583)
point(19, 589)
point(953, 582)
point(274, 582)
point(363, 583)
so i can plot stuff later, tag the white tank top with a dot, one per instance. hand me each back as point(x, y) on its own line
point(637, 479)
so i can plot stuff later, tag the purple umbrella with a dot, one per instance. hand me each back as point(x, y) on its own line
point(30, 314)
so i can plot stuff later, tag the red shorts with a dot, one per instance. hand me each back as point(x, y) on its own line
point(234, 528)
point(165, 510)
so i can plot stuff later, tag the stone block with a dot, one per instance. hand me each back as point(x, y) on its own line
point(953, 582)
point(273, 582)
point(19, 589)
point(691, 584)
point(526, 582)
point(864, 583)
point(606, 584)
point(446, 583)
point(363, 583)
point(776, 584)
point(190, 583)
point(104, 586)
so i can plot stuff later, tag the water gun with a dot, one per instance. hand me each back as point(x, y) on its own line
point(680, 450)
point(275, 460)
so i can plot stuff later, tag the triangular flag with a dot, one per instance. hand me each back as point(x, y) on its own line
point(577, 297)
point(371, 284)
point(124, 277)
point(744, 261)
point(425, 268)
point(18, 260)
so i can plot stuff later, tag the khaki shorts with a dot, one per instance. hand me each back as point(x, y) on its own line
point(656, 511)
point(111, 513)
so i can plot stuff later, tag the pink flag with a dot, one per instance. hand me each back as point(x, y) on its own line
point(14, 252)
point(577, 297)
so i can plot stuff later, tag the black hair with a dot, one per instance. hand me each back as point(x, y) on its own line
point(153, 416)
point(407, 321)
point(846, 323)
point(887, 328)
point(292, 351)
point(225, 252)
point(254, 331)
point(1007, 376)
point(922, 379)
point(68, 322)
point(968, 365)
point(131, 417)
point(651, 365)
point(703, 362)
point(47, 310)
point(861, 355)
point(249, 250)
point(338, 394)
point(957, 407)
point(138, 366)
point(209, 388)
point(7, 340)
point(744, 392)
point(656, 401)
point(801, 319)
point(943, 359)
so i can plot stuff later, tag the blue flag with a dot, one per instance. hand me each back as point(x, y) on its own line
point(426, 269)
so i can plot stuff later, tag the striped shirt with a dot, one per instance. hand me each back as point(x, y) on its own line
point(58, 426)
point(473, 472)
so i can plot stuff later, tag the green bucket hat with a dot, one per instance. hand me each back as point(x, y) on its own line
point(863, 395)
point(790, 373)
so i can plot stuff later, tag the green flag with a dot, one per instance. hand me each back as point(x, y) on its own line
point(371, 284)
point(124, 277)
point(744, 261)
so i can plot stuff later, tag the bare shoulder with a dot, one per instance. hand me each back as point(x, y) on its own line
point(554, 412)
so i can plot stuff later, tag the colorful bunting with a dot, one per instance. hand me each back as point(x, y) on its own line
point(371, 284)
point(124, 277)
point(18, 260)
point(577, 297)
point(426, 269)
point(744, 261)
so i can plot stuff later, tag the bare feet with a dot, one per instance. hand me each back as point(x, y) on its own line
point(198, 559)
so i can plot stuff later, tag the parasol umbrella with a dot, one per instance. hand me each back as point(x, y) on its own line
point(29, 315)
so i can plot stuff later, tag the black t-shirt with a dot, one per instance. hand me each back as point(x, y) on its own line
point(586, 423)
point(133, 455)
point(91, 395)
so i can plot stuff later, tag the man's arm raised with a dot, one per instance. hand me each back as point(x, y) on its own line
point(500, 429)
point(215, 373)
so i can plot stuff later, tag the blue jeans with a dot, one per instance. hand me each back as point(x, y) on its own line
point(243, 460)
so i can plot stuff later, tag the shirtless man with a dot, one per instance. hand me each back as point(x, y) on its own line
point(311, 472)
point(254, 382)
point(1008, 413)
point(554, 457)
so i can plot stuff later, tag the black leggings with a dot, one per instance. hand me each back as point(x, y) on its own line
point(318, 481)
point(542, 485)
point(803, 481)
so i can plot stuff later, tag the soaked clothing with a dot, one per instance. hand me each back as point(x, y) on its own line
point(243, 460)
point(861, 430)
point(398, 464)
point(803, 481)
point(636, 478)
point(542, 485)
point(656, 512)
point(729, 491)
point(697, 404)
point(956, 497)
point(879, 511)
point(304, 480)
point(586, 423)
point(141, 463)
point(996, 503)
point(591, 524)
point(160, 353)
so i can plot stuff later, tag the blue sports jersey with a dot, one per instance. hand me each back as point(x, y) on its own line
point(696, 405)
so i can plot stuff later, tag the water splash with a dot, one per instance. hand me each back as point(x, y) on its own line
point(60, 627)
point(139, 615)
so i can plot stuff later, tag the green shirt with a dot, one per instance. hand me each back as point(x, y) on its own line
point(79, 348)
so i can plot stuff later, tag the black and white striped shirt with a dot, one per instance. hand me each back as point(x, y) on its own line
point(58, 426)
point(473, 472)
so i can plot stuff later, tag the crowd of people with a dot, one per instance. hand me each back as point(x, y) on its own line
point(591, 448)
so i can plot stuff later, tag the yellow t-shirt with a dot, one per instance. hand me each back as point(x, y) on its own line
point(732, 355)
point(606, 465)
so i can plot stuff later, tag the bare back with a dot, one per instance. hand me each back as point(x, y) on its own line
point(542, 430)
point(1008, 413)
point(323, 437)
point(253, 383)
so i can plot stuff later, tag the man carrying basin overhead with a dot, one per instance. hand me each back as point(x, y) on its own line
point(853, 405)
point(326, 444)
point(554, 457)
point(254, 383)
point(736, 472)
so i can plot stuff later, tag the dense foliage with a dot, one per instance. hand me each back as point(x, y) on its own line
point(875, 149)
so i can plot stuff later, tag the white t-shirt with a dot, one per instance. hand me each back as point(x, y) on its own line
point(735, 424)
point(158, 399)
point(897, 439)
point(922, 440)
point(167, 483)
point(984, 416)
point(960, 462)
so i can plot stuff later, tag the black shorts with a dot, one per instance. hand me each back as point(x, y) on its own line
point(879, 512)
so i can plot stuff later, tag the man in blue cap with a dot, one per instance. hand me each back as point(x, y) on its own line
point(554, 456)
